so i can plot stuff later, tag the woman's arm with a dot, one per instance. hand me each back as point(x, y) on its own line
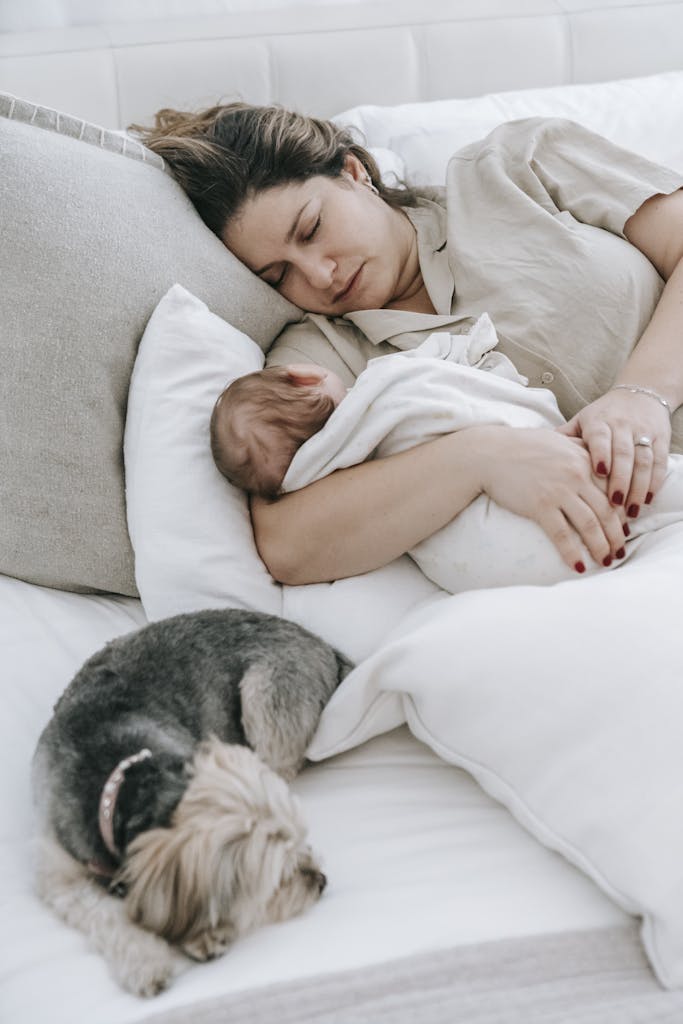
point(610, 425)
point(363, 517)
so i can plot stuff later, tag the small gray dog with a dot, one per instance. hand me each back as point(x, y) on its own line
point(165, 823)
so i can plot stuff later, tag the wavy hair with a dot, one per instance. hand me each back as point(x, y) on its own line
point(228, 153)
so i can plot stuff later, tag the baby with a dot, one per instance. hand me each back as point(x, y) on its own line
point(262, 419)
point(284, 427)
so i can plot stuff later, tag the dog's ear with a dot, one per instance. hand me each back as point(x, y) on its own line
point(152, 791)
point(180, 880)
point(152, 875)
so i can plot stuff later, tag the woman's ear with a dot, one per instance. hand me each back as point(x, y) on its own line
point(354, 168)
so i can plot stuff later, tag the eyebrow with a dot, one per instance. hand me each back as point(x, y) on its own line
point(288, 238)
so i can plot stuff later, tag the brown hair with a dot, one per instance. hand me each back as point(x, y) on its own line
point(287, 414)
point(226, 154)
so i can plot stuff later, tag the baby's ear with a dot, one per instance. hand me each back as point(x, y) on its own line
point(305, 377)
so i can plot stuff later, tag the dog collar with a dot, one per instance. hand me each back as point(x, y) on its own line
point(108, 797)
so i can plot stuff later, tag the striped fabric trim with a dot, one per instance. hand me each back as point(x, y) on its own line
point(16, 109)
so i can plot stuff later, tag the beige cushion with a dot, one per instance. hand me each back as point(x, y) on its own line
point(94, 232)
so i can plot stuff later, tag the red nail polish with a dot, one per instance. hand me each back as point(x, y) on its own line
point(602, 469)
point(648, 497)
point(607, 561)
point(633, 511)
point(617, 498)
point(621, 553)
point(627, 530)
point(579, 566)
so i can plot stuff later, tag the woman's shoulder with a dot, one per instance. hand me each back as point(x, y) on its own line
point(300, 341)
point(331, 343)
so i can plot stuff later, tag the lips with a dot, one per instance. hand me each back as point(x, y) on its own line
point(348, 287)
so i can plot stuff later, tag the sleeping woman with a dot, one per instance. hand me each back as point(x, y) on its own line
point(572, 245)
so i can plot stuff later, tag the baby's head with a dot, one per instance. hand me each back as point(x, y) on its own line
point(260, 421)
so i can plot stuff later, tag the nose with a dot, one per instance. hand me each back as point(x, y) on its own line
point(321, 880)
point(318, 271)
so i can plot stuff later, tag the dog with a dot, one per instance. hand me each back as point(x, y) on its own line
point(167, 826)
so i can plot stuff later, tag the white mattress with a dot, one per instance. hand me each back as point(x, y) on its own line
point(419, 859)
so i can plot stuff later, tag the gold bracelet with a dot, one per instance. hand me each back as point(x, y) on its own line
point(636, 389)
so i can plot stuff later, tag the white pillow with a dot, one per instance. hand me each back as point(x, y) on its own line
point(566, 704)
point(424, 136)
point(190, 529)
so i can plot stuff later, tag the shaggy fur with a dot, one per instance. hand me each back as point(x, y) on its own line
point(212, 842)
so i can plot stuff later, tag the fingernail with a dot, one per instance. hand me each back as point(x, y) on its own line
point(621, 553)
point(617, 498)
point(602, 469)
point(607, 561)
point(627, 530)
point(648, 497)
point(579, 566)
point(633, 511)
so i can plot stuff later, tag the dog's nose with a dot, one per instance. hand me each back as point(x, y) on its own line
point(314, 878)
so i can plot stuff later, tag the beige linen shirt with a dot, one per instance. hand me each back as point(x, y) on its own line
point(529, 230)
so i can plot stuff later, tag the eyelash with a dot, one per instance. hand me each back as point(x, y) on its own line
point(307, 238)
point(314, 229)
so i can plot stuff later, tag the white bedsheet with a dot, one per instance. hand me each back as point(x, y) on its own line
point(418, 857)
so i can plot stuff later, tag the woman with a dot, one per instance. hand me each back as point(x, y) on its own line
point(565, 240)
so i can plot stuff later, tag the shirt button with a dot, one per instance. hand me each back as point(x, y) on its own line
point(547, 377)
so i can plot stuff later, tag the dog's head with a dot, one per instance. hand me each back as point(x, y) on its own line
point(235, 857)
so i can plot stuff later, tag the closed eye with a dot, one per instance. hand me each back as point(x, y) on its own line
point(306, 238)
point(312, 232)
point(278, 282)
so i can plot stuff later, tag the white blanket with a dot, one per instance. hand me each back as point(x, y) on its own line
point(449, 383)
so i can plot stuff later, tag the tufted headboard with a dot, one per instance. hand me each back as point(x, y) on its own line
point(323, 59)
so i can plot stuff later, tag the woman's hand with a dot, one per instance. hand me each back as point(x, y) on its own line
point(547, 477)
point(610, 428)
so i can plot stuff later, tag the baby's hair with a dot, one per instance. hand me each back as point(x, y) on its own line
point(272, 401)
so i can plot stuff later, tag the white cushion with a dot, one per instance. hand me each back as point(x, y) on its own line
point(190, 529)
point(566, 704)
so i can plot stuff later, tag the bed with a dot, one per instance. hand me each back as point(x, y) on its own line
point(465, 883)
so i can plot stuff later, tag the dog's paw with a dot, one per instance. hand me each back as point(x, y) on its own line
point(210, 944)
point(149, 968)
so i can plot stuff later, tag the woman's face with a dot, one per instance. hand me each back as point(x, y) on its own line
point(329, 245)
